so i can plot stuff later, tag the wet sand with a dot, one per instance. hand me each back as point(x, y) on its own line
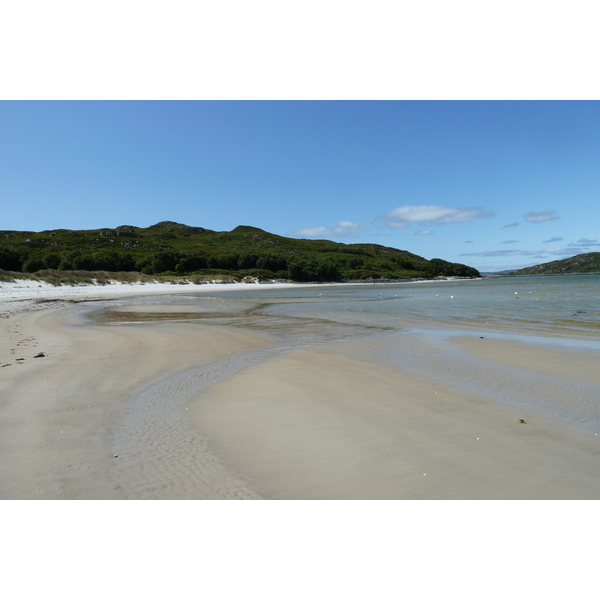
point(556, 360)
point(320, 423)
point(64, 415)
point(236, 405)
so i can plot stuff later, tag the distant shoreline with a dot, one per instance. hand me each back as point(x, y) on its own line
point(28, 289)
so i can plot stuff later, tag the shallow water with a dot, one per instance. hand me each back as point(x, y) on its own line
point(412, 325)
point(565, 306)
point(420, 320)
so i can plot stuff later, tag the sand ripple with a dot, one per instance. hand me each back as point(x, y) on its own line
point(161, 456)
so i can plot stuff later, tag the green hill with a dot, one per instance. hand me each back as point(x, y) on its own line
point(173, 248)
point(582, 263)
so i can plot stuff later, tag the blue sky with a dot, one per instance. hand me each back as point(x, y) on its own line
point(493, 184)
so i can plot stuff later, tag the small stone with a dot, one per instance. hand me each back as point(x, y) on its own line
point(115, 455)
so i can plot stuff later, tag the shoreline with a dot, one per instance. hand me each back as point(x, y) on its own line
point(27, 289)
point(244, 405)
point(65, 415)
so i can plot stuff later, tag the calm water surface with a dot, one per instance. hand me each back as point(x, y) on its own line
point(419, 318)
point(411, 325)
point(564, 306)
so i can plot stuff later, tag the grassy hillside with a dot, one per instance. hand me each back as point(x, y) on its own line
point(173, 248)
point(582, 263)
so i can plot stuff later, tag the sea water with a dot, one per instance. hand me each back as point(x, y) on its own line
point(411, 325)
point(565, 306)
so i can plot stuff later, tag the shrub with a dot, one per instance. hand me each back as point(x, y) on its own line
point(32, 265)
point(10, 260)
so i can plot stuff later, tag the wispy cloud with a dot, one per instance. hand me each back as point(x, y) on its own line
point(584, 243)
point(509, 242)
point(403, 216)
point(504, 253)
point(540, 253)
point(540, 217)
point(515, 224)
point(343, 229)
point(553, 239)
point(468, 241)
point(560, 251)
point(424, 232)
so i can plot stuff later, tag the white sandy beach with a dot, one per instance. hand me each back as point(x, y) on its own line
point(180, 408)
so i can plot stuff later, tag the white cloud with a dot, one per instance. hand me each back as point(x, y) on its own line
point(343, 229)
point(311, 232)
point(403, 216)
point(553, 239)
point(540, 217)
point(510, 242)
point(510, 225)
point(424, 232)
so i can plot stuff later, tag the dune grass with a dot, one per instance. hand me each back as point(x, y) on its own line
point(55, 277)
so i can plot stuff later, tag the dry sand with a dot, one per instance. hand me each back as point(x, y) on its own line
point(195, 410)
